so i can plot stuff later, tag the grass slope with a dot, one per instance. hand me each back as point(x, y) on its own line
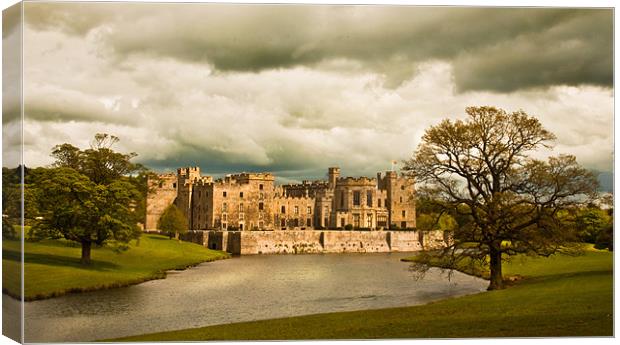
point(52, 267)
point(559, 296)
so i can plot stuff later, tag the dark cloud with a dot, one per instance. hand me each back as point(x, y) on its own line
point(500, 49)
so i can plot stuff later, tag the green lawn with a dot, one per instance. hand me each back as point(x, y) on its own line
point(52, 267)
point(559, 296)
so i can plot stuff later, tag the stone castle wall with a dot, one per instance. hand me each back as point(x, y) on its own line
point(162, 193)
point(315, 241)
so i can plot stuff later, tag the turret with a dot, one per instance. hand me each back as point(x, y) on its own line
point(333, 173)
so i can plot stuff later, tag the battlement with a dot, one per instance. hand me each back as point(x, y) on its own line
point(279, 198)
point(188, 170)
point(356, 181)
point(253, 176)
point(307, 184)
point(203, 181)
point(244, 178)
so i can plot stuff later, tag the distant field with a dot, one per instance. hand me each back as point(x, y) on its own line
point(52, 267)
point(559, 296)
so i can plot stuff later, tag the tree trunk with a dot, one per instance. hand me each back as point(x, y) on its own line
point(85, 253)
point(496, 278)
point(176, 235)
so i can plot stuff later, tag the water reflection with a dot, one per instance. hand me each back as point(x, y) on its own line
point(240, 289)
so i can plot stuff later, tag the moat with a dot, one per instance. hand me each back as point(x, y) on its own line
point(241, 289)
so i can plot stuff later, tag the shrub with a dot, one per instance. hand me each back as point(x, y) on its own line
point(348, 227)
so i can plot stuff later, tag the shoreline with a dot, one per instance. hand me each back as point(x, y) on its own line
point(162, 274)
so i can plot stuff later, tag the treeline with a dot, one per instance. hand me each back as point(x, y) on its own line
point(593, 223)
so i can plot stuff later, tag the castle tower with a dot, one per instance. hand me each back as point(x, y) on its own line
point(334, 174)
point(400, 200)
point(186, 179)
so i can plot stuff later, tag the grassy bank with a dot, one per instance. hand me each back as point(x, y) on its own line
point(559, 296)
point(52, 267)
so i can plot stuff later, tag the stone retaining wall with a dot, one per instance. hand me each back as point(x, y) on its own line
point(317, 241)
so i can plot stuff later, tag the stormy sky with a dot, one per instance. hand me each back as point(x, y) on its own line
point(294, 89)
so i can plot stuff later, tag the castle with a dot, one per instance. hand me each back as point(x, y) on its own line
point(251, 201)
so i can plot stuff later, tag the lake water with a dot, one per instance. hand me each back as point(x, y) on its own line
point(240, 289)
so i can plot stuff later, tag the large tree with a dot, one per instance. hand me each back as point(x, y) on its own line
point(88, 196)
point(480, 171)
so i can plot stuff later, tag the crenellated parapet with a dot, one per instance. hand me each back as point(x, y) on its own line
point(356, 181)
point(295, 198)
point(245, 178)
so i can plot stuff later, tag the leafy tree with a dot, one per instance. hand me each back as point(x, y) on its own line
point(8, 231)
point(605, 239)
point(99, 163)
point(11, 193)
point(172, 222)
point(74, 207)
point(505, 202)
point(590, 222)
point(88, 196)
point(436, 221)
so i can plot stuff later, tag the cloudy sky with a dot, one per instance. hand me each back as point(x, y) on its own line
point(295, 89)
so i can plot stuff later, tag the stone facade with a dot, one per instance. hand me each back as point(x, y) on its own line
point(251, 201)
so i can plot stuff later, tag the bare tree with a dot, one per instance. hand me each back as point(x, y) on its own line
point(505, 202)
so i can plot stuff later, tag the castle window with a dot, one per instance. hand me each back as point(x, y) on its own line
point(241, 194)
point(296, 209)
point(282, 222)
point(224, 217)
point(401, 199)
point(404, 213)
point(369, 198)
point(174, 185)
point(309, 210)
point(402, 187)
point(308, 222)
point(369, 220)
point(260, 206)
point(403, 225)
point(224, 194)
point(224, 226)
point(224, 207)
point(261, 196)
point(356, 220)
point(283, 210)
point(241, 216)
point(356, 198)
point(378, 202)
point(161, 184)
point(381, 221)
point(241, 207)
point(342, 222)
point(260, 186)
point(342, 199)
